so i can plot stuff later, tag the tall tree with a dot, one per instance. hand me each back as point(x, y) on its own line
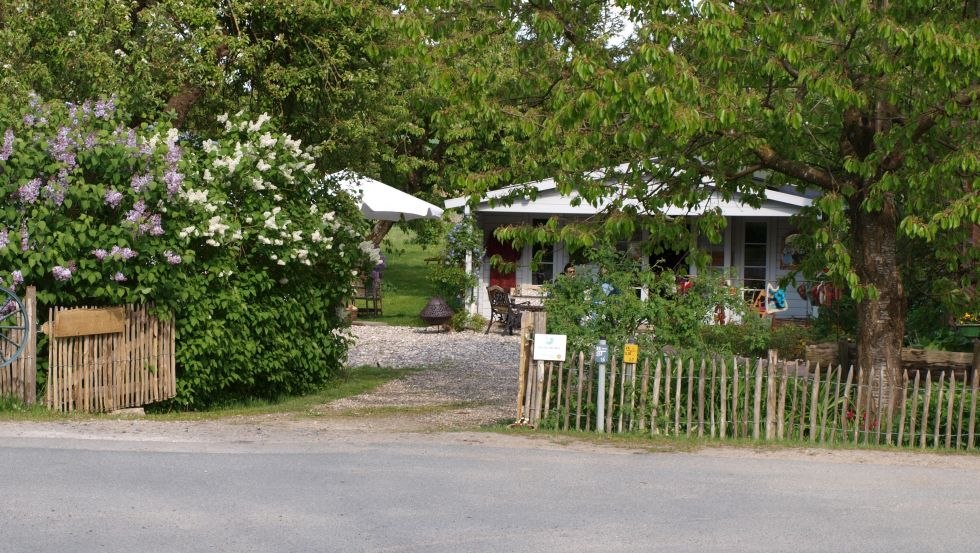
point(872, 102)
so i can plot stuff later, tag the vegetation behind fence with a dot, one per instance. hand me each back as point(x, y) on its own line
point(761, 399)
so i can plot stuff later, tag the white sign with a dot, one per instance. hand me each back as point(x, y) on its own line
point(549, 347)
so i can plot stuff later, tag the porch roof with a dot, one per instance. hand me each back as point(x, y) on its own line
point(549, 201)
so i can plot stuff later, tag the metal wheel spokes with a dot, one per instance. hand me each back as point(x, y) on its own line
point(14, 326)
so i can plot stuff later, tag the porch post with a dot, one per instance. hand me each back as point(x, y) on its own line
point(470, 301)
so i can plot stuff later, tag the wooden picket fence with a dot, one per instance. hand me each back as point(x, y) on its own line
point(757, 399)
point(107, 359)
point(19, 378)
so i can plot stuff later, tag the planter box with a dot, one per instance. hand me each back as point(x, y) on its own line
point(969, 331)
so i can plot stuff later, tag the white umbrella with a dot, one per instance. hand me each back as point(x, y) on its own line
point(381, 202)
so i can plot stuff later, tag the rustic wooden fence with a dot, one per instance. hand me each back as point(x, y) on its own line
point(19, 378)
point(108, 359)
point(758, 399)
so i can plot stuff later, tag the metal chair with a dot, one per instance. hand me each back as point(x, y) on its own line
point(502, 309)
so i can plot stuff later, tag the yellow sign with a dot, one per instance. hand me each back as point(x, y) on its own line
point(630, 353)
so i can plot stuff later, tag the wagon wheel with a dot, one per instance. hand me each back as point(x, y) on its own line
point(14, 327)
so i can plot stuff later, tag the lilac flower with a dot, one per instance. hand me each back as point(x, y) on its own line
point(91, 141)
point(28, 193)
point(119, 277)
point(172, 258)
point(136, 214)
point(17, 278)
point(100, 254)
point(4, 237)
point(112, 198)
point(62, 148)
point(55, 191)
point(8, 145)
point(173, 155)
point(155, 225)
point(29, 120)
point(61, 273)
point(122, 253)
point(173, 179)
point(139, 182)
point(104, 108)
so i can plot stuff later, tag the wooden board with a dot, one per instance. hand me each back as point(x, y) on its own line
point(88, 322)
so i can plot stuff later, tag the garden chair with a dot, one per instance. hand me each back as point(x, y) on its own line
point(503, 309)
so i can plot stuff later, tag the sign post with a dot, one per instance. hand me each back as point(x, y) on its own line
point(601, 357)
point(547, 347)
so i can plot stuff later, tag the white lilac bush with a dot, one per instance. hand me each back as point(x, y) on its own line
point(235, 235)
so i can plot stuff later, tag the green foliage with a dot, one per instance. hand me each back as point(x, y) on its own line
point(234, 237)
point(451, 283)
point(608, 304)
point(465, 321)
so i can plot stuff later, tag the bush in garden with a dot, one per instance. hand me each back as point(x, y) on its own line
point(607, 303)
point(235, 236)
point(450, 278)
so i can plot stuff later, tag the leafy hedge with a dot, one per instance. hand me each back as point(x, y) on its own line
point(235, 236)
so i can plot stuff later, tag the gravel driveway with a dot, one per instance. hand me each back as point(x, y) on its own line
point(468, 378)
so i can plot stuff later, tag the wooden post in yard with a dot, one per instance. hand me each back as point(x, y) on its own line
point(527, 322)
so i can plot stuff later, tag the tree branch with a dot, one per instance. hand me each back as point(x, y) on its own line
point(796, 169)
point(924, 124)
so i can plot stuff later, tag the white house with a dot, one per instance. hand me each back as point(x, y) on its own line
point(754, 245)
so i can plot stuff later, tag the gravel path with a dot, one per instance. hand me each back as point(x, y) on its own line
point(468, 378)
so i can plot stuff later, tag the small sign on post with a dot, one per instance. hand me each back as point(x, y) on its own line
point(602, 352)
point(631, 353)
point(549, 347)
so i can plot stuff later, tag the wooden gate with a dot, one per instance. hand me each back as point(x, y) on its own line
point(19, 379)
point(108, 358)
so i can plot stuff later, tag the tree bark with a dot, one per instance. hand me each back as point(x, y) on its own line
point(881, 320)
point(379, 231)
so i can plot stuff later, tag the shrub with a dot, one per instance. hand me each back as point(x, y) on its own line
point(235, 236)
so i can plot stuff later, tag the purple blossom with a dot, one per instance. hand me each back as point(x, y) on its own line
point(100, 254)
point(62, 148)
point(61, 273)
point(119, 277)
point(173, 155)
point(122, 253)
point(139, 182)
point(29, 120)
point(55, 190)
point(17, 278)
point(4, 237)
point(28, 192)
point(172, 258)
point(155, 225)
point(112, 198)
point(139, 210)
point(104, 108)
point(8, 145)
point(173, 180)
point(91, 141)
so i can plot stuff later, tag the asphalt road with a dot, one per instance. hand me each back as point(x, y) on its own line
point(466, 493)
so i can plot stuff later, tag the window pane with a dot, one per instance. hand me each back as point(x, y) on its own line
point(755, 233)
point(755, 256)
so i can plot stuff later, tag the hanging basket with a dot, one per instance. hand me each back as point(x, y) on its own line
point(437, 312)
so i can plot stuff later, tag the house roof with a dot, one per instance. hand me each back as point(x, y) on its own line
point(550, 201)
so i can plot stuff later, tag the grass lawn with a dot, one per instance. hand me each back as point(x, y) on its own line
point(406, 289)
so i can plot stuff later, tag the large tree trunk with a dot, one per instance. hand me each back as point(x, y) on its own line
point(881, 321)
point(379, 231)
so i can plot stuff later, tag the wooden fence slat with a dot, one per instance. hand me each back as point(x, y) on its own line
point(723, 422)
point(814, 407)
point(655, 401)
point(747, 393)
point(690, 397)
point(568, 394)
point(939, 409)
point(973, 409)
point(770, 396)
point(622, 396)
point(959, 417)
point(826, 407)
point(924, 431)
point(700, 398)
point(890, 411)
point(735, 397)
point(588, 387)
point(677, 397)
point(611, 392)
point(951, 393)
point(711, 400)
point(757, 400)
point(783, 377)
point(644, 383)
point(578, 394)
point(901, 416)
point(857, 405)
point(914, 411)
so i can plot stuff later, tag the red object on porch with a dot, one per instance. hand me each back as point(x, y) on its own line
point(509, 255)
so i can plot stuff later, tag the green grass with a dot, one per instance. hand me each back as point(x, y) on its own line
point(406, 288)
point(359, 380)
